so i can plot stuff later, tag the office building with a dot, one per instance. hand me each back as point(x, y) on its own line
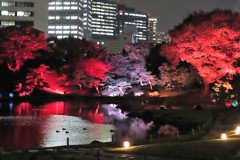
point(127, 17)
point(104, 20)
point(162, 37)
point(87, 19)
point(65, 18)
point(152, 28)
point(24, 12)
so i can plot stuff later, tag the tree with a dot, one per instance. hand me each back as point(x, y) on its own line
point(36, 78)
point(209, 42)
point(20, 43)
point(91, 72)
point(177, 77)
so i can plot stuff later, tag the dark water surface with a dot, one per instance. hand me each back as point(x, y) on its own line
point(25, 125)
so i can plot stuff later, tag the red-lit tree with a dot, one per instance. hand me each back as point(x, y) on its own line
point(91, 72)
point(209, 42)
point(18, 44)
point(35, 78)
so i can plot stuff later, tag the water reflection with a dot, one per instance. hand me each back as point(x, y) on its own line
point(28, 125)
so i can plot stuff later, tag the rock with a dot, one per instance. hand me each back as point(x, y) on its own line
point(95, 142)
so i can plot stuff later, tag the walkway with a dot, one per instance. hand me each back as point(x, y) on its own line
point(71, 154)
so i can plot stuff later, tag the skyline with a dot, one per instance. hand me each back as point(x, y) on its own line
point(171, 13)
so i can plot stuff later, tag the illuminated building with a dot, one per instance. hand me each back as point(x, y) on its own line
point(162, 37)
point(25, 12)
point(152, 27)
point(87, 19)
point(128, 16)
point(104, 20)
point(65, 18)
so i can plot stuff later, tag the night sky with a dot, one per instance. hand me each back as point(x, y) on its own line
point(172, 12)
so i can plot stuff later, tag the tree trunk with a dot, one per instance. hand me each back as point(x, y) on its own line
point(206, 88)
point(150, 84)
point(80, 86)
point(97, 89)
point(120, 88)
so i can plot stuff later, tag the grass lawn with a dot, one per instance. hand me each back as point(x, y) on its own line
point(194, 150)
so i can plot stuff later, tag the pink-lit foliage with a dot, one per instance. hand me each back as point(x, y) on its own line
point(36, 78)
point(19, 44)
point(127, 69)
point(137, 54)
point(209, 42)
point(91, 72)
point(85, 63)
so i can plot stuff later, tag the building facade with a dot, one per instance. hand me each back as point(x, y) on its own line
point(152, 28)
point(104, 20)
point(127, 17)
point(87, 19)
point(24, 12)
point(65, 18)
point(162, 37)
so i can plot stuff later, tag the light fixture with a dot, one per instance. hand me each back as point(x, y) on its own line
point(126, 144)
point(223, 136)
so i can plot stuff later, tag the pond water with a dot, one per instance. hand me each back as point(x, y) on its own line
point(25, 125)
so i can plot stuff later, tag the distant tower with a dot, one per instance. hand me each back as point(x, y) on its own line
point(152, 27)
point(104, 20)
point(28, 12)
point(65, 18)
point(87, 19)
point(129, 17)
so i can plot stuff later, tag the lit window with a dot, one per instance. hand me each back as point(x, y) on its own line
point(58, 27)
point(4, 13)
point(59, 8)
point(51, 8)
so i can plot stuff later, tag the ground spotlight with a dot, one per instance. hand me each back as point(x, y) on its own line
point(223, 136)
point(126, 144)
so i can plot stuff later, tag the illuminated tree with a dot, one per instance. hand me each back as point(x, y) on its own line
point(177, 77)
point(20, 43)
point(36, 78)
point(91, 72)
point(115, 86)
point(209, 42)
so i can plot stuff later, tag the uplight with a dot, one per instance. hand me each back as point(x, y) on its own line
point(223, 136)
point(126, 144)
point(237, 130)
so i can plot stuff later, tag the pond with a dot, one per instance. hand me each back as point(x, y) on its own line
point(26, 125)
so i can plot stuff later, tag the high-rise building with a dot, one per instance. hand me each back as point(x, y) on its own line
point(162, 37)
point(152, 27)
point(65, 18)
point(128, 16)
point(87, 19)
point(24, 12)
point(104, 20)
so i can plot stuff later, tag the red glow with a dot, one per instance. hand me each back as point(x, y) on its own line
point(120, 11)
point(209, 42)
point(228, 104)
point(20, 44)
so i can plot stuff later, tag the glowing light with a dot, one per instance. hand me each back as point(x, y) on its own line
point(11, 95)
point(228, 104)
point(235, 103)
point(237, 130)
point(11, 106)
point(224, 136)
point(126, 144)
